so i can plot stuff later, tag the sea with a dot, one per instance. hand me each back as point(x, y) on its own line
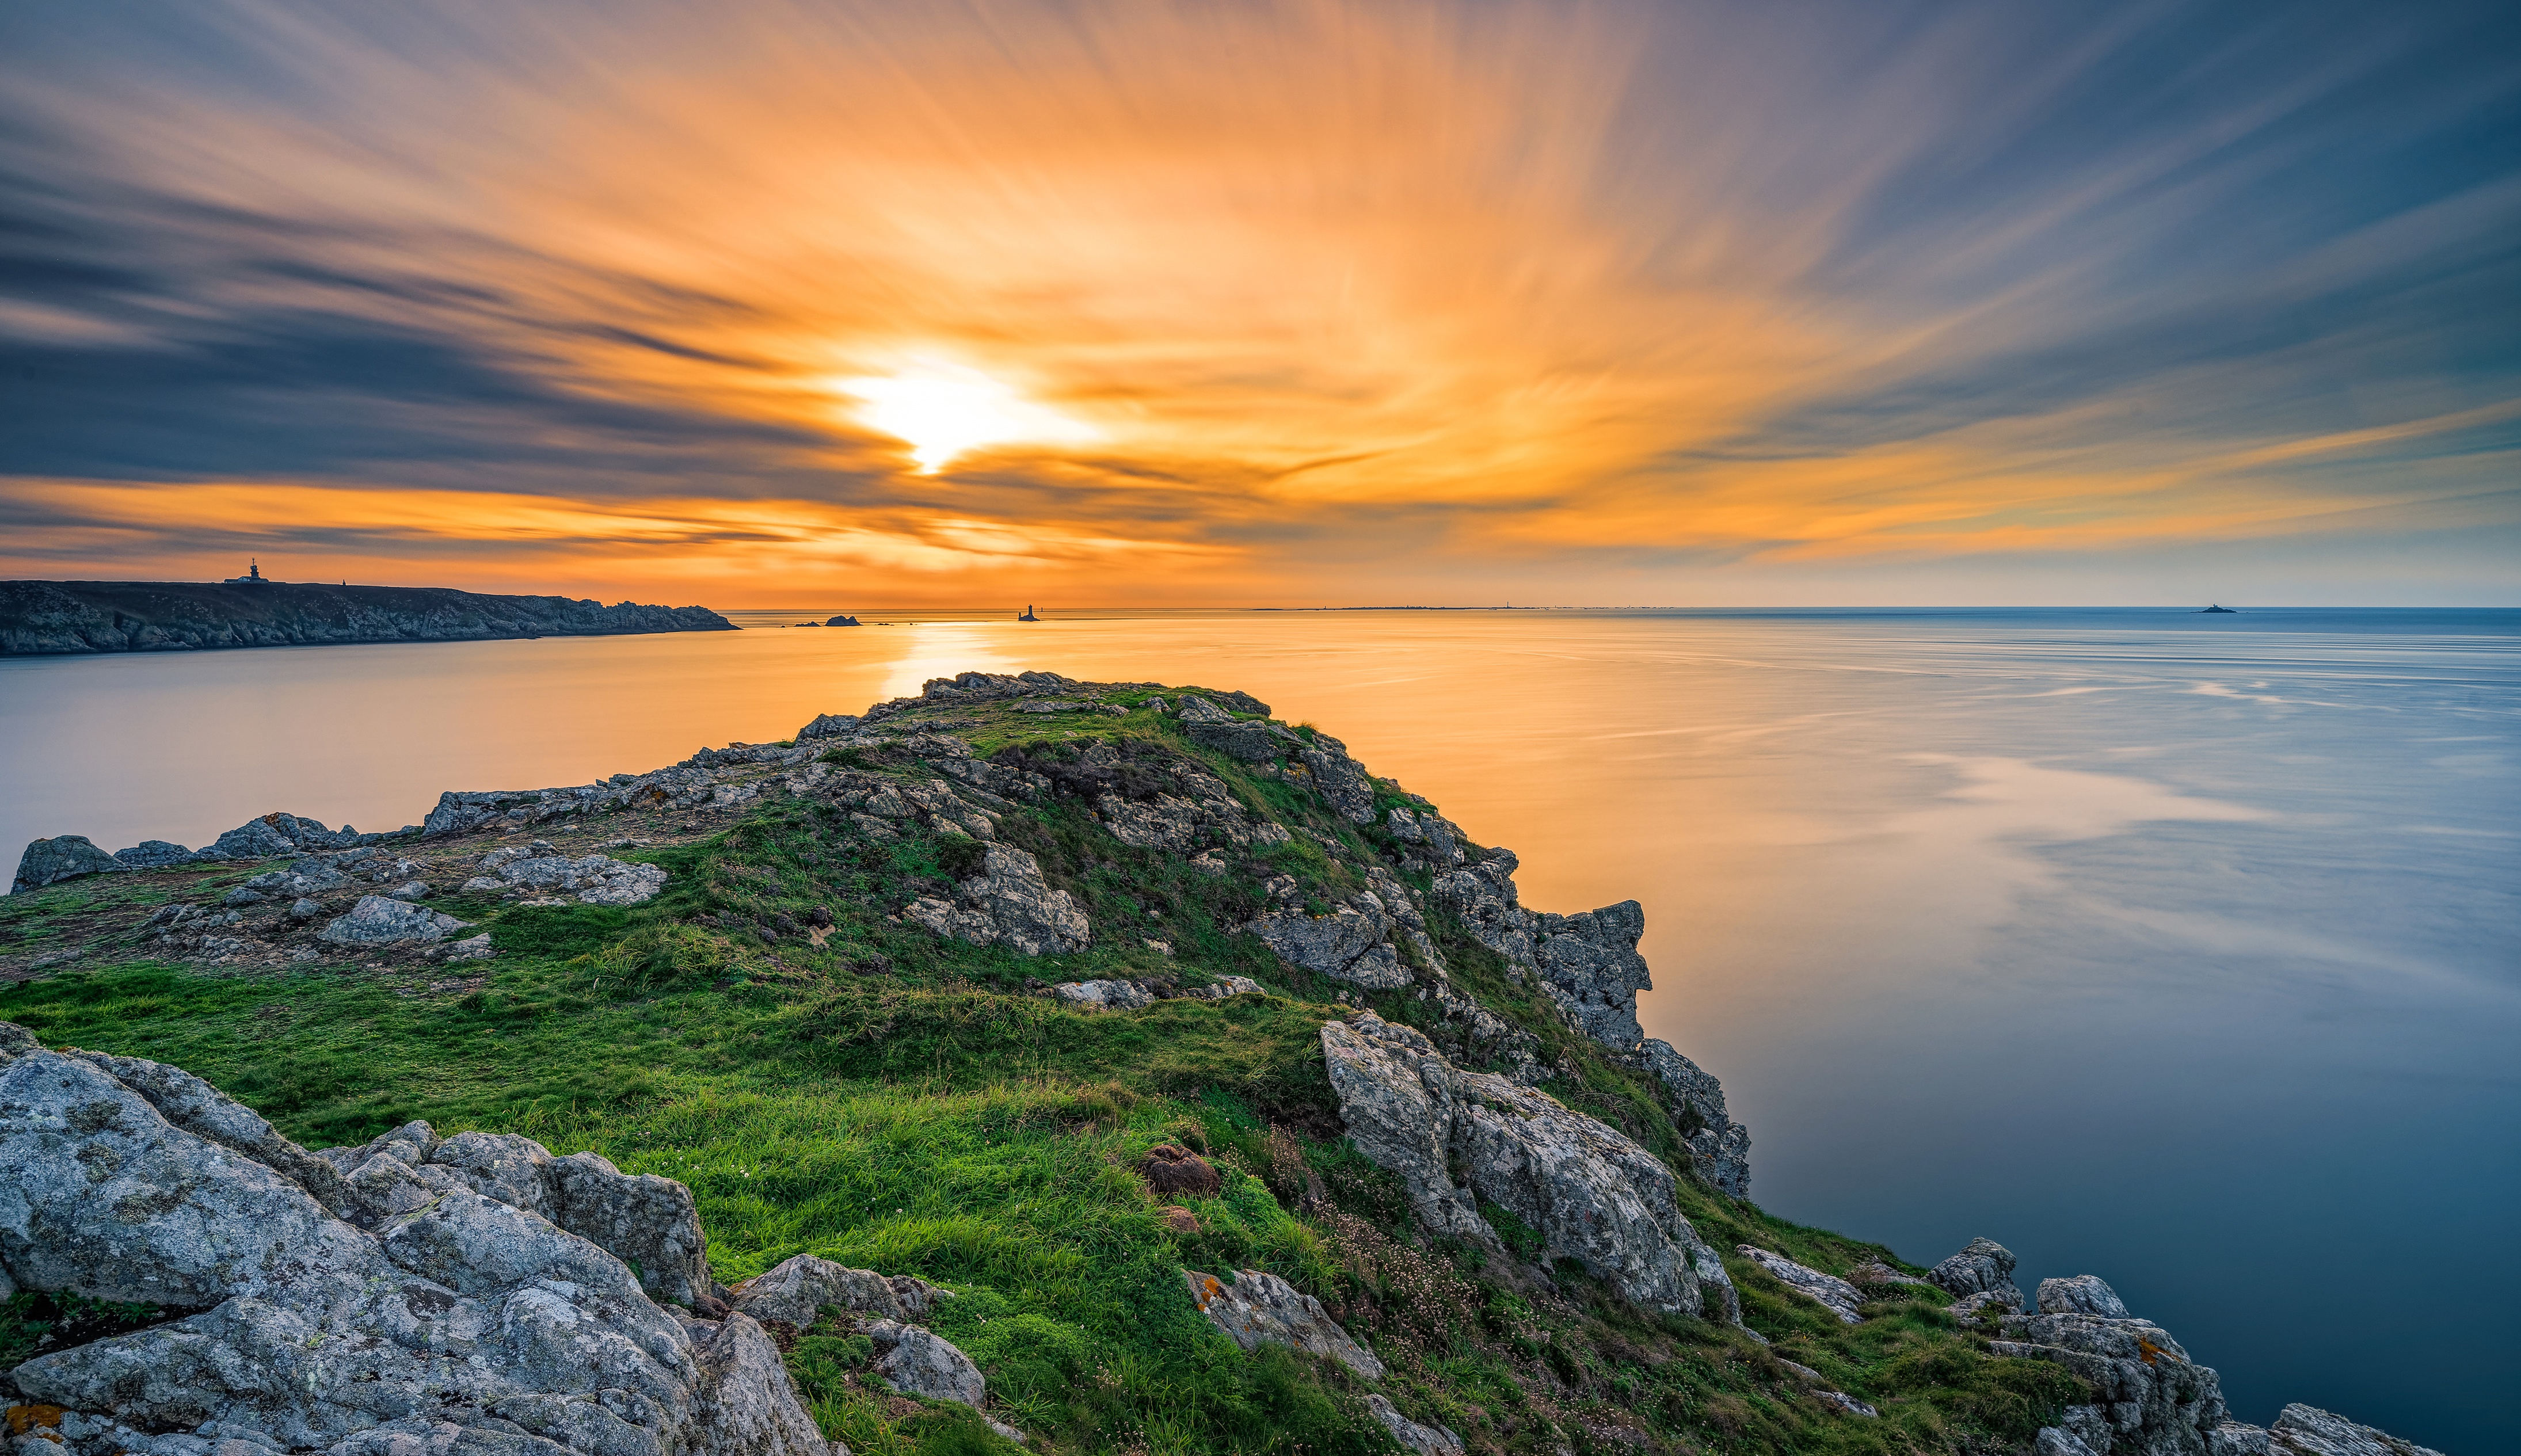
point(2183, 949)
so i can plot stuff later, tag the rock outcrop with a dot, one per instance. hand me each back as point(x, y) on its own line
point(2153, 1399)
point(1979, 1277)
point(1257, 1309)
point(1009, 903)
point(590, 879)
point(2309, 1431)
point(1587, 964)
point(97, 616)
point(463, 1322)
point(909, 1357)
point(1590, 1192)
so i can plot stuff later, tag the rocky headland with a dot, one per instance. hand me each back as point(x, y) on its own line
point(1153, 1076)
point(40, 617)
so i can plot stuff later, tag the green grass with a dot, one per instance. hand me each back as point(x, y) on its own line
point(830, 1081)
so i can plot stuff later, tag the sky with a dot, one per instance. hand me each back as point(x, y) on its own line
point(761, 303)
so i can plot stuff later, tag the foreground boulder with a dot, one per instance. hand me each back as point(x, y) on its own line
point(1592, 1192)
point(465, 1323)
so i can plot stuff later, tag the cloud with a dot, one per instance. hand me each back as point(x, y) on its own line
point(1489, 287)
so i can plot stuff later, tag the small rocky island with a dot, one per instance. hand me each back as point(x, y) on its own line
point(1031, 1064)
point(42, 617)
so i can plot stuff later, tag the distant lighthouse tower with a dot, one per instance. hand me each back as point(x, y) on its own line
point(252, 574)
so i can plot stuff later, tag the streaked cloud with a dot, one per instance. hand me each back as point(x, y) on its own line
point(1528, 293)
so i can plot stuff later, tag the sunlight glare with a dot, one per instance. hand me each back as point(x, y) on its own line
point(942, 409)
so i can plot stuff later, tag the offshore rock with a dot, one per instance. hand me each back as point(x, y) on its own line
point(1008, 903)
point(380, 921)
point(64, 857)
point(1841, 1297)
point(1720, 1148)
point(465, 1324)
point(2153, 1399)
point(1593, 1193)
point(1259, 1310)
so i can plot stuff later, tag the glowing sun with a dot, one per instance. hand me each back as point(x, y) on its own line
point(942, 409)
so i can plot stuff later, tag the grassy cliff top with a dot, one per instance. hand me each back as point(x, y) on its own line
point(831, 1077)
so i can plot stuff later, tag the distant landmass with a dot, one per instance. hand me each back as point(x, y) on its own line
point(98, 617)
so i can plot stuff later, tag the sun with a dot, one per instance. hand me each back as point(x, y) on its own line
point(942, 409)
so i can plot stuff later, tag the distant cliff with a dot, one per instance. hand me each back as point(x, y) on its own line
point(90, 617)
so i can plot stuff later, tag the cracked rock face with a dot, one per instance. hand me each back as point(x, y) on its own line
point(595, 878)
point(1008, 903)
point(462, 1323)
point(1721, 1149)
point(1982, 1267)
point(63, 857)
point(1593, 1193)
point(1257, 1309)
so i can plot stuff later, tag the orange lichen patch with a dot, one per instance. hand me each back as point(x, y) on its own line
point(2146, 1349)
point(23, 1418)
point(1204, 1288)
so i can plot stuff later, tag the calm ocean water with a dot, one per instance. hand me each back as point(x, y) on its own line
point(2183, 950)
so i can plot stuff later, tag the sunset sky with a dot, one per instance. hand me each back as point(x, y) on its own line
point(757, 303)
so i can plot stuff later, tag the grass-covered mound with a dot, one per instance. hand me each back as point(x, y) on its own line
point(830, 1078)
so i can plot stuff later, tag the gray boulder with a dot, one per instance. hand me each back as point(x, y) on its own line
point(2084, 1294)
point(644, 1220)
point(379, 920)
point(67, 857)
point(1592, 1192)
point(251, 839)
point(1982, 1267)
point(748, 1404)
point(830, 725)
point(2308, 1431)
point(795, 1290)
point(153, 854)
point(1258, 1309)
point(1007, 903)
point(1841, 1297)
point(1104, 996)
point(595, 878)
point(1350, 945)
point(920, 1362)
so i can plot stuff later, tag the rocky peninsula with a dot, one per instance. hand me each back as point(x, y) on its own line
point(1028, 1064)
point(39, 618)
